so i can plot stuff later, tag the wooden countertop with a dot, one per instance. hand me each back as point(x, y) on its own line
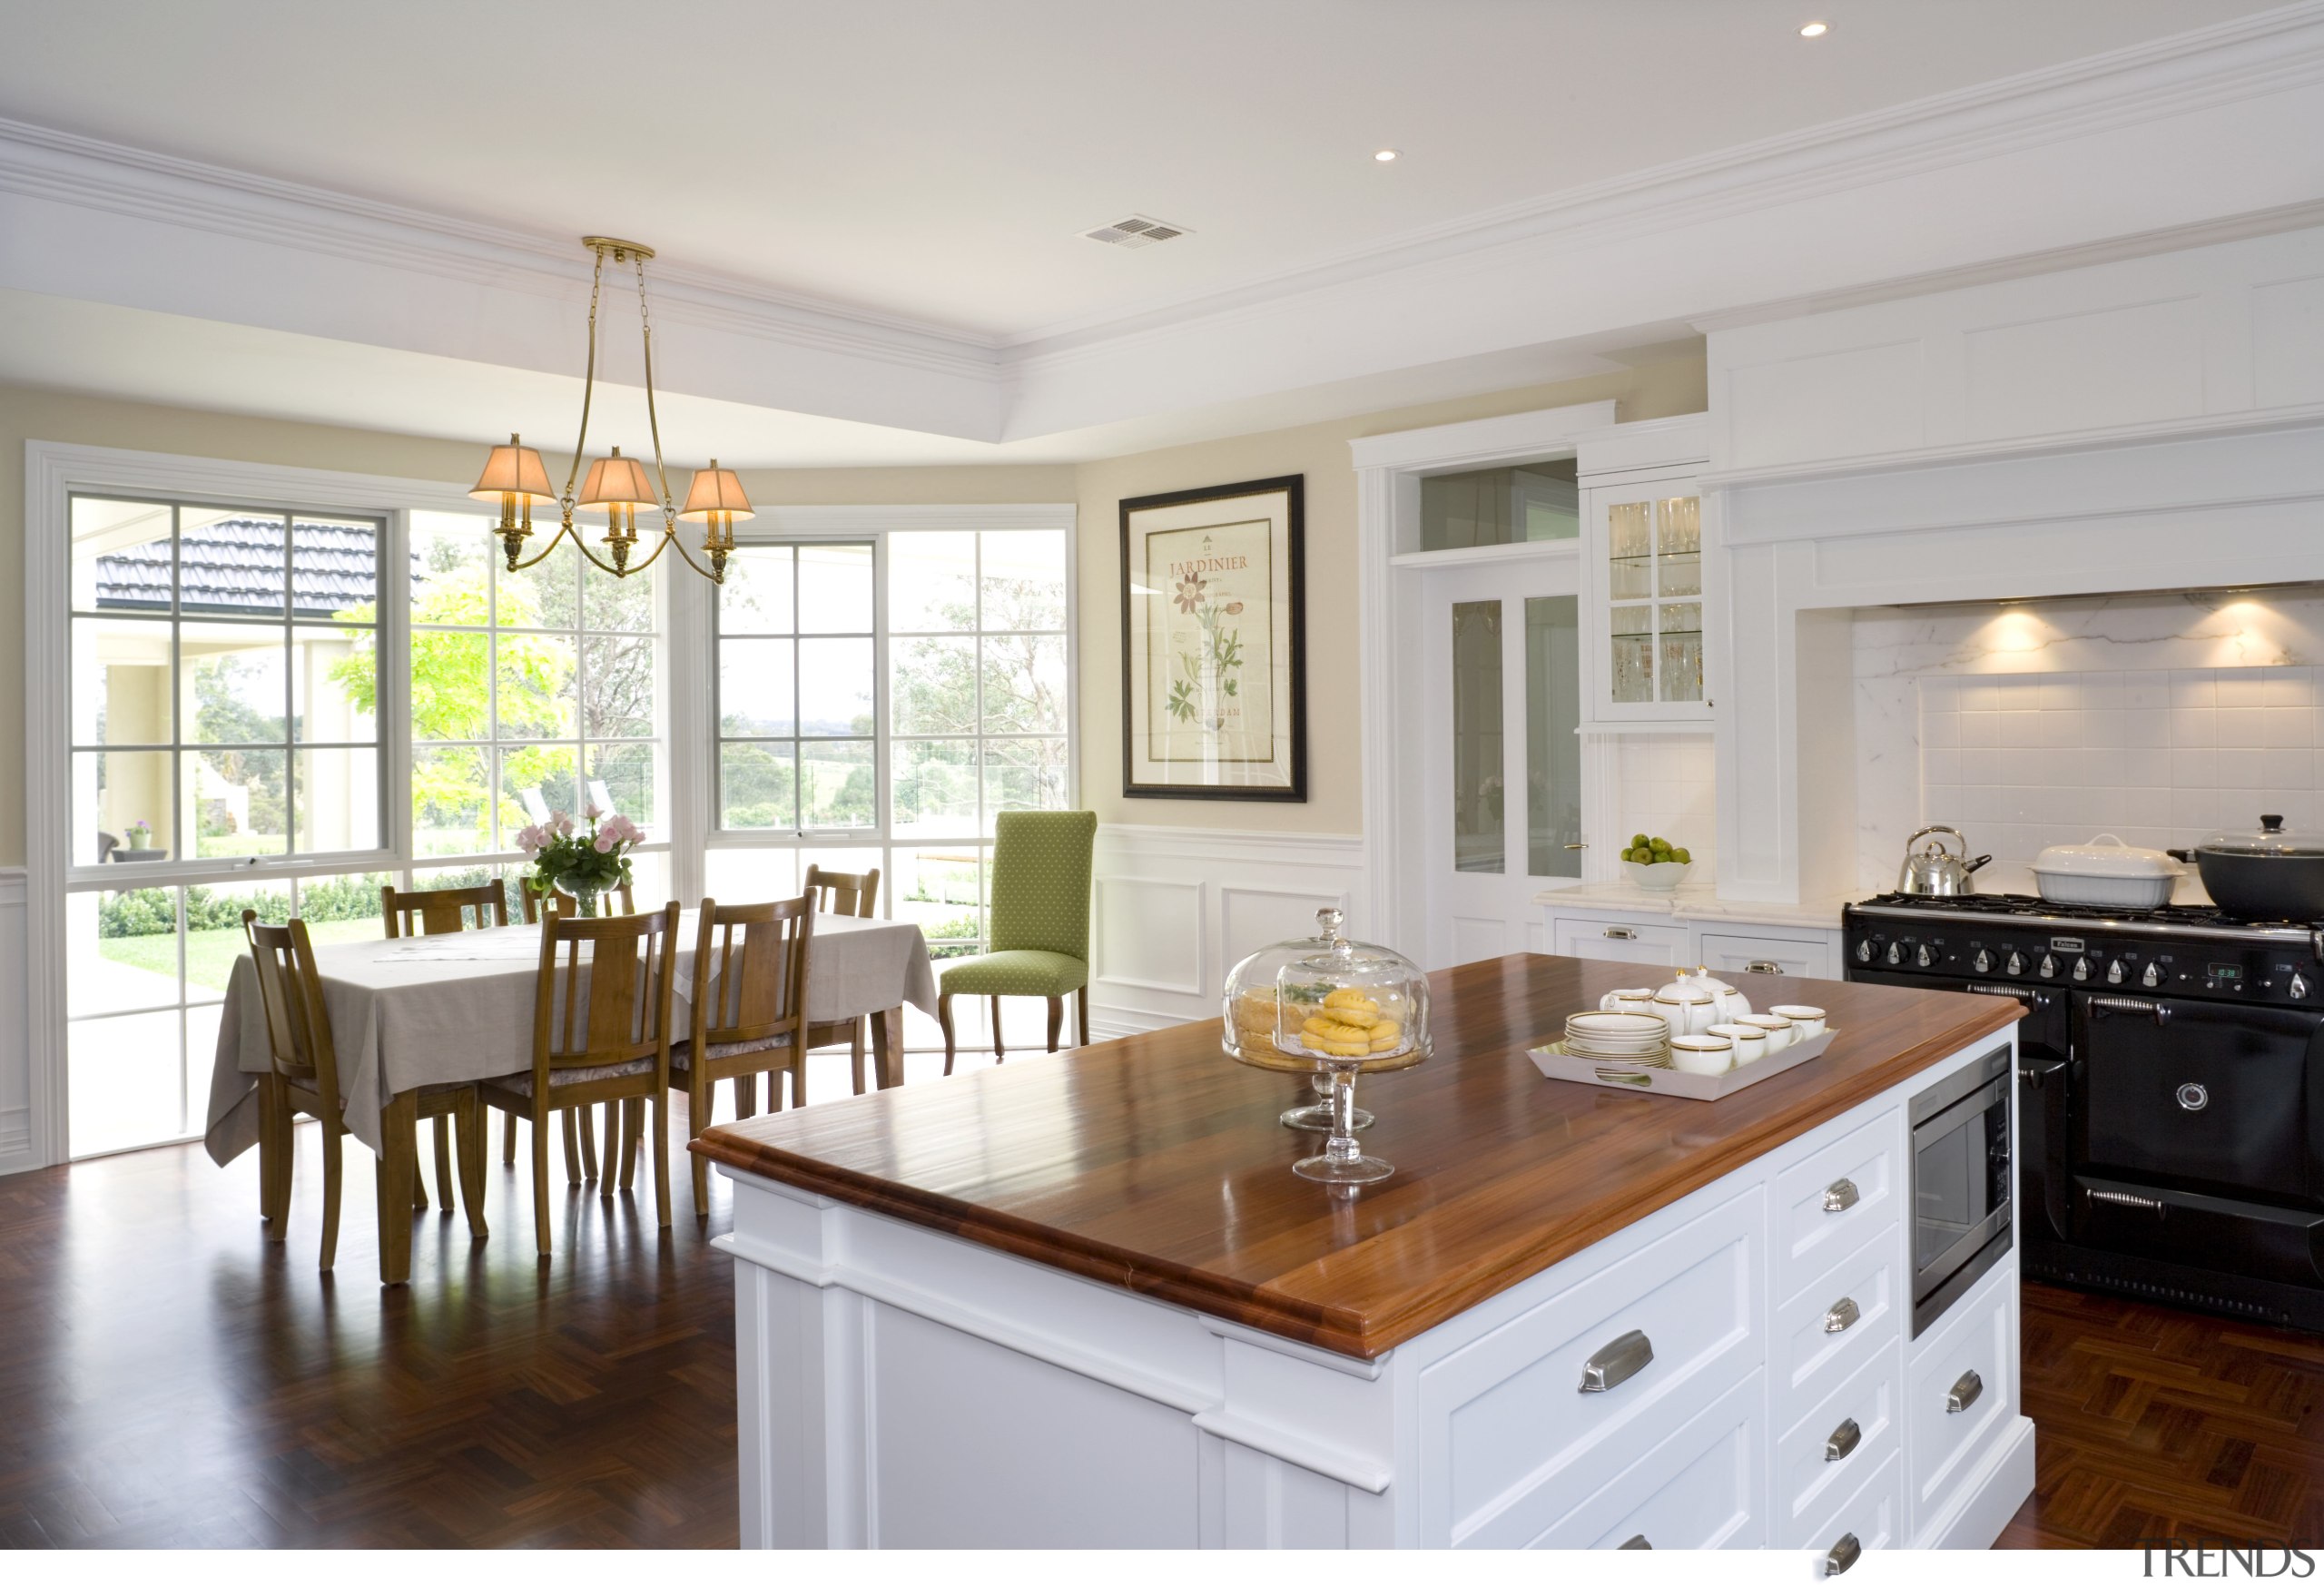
point(1154, 1162)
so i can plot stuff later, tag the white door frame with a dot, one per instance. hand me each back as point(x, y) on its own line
point(1388, 472)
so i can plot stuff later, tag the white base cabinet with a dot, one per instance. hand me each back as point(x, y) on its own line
point(1730, 947)
point(899, 1388)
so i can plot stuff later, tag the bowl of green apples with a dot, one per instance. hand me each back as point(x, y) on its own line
point(1655, 864)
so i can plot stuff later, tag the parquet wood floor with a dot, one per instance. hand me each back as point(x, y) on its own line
point(2152, 1423)
point(168, 1378)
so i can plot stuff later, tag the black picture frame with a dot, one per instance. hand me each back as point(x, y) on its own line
point(1292, 789)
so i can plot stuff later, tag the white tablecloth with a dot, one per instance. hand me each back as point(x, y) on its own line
point(422, 1011)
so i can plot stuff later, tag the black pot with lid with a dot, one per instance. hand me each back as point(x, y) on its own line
point(2270, 873)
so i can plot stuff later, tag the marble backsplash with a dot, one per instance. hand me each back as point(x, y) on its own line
point(2156, 717)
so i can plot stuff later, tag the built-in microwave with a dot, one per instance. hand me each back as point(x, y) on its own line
point(1961, 1193)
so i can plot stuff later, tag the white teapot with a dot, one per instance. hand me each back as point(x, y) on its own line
point(1732, 1005)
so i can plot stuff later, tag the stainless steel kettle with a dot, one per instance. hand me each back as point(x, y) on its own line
point(1934, 871)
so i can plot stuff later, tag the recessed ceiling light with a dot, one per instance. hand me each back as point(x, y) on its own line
point(1384, 155)
point(1816, 30)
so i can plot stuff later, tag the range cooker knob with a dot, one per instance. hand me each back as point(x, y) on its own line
point(1895, 952)
point(2048, 967)
point(1925, 957)
point(2082, 970)
point(2299, 985)
point(1983, 963)
point(2114, 973)
point(2015, 964)
point(2152, 976)
point(1863, 952)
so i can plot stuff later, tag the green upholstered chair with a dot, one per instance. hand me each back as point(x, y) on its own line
point(1040, 923)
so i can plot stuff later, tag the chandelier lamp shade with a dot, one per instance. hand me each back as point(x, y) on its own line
point(617, 486)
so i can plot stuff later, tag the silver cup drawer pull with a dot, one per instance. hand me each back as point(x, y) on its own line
point(1843, 1439)
point(1636, 1540)
point(1964, 1391)
point(1845, 1315)
point(1843, 1554)
point(1616, 1364)
point(1763, 967)
point(1620, 934)
point(1840, 1195)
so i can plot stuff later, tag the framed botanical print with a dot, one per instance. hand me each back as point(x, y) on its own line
point(1215, 643)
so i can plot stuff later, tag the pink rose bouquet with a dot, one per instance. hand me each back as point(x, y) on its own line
point(581, 862)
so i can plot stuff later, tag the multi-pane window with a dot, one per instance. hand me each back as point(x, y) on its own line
point(222, 720)
point(531, 692)
point(859, 731)
point(218, 712)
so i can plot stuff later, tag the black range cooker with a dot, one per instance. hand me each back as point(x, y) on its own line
point(2170, 1087)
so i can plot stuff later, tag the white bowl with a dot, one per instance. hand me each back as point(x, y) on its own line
point(1660, 878)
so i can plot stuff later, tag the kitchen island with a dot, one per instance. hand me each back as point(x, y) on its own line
point(1083, 1301)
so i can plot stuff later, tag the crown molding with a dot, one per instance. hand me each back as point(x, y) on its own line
point(2266, 53)
point(60, 167)
point(2270, 223)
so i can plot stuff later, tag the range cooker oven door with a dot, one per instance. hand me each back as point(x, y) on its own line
point(1961, 1201)
point(2209, 1098)
point(2196, 1140)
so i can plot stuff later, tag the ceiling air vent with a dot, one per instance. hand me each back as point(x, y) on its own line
point(1137, 231)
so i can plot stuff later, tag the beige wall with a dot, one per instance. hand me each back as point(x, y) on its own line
point(1319, 451)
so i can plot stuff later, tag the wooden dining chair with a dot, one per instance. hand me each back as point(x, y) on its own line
point(428, 913)
point(610, 1045)
point(750, 1009)
point(580, 1123)
point(303, 1078)
point(838, 893)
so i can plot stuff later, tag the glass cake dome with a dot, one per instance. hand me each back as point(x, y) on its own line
point(1325, 1005)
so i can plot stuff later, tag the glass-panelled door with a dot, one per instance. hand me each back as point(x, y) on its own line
point(1502, 784)
point(225, 749)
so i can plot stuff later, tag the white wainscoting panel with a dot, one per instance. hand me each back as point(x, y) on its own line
point(16, 1151)
point(1175, 907)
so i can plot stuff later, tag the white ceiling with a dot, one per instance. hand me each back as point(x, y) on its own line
point(935, 160)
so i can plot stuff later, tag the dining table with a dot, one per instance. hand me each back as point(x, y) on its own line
point(455, 1008)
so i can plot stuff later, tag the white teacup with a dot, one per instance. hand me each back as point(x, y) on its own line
point(1806, 1019)
point(1702, 1055)
point(1751, 1042)
point(1687, 1015)
point(1781, 1032)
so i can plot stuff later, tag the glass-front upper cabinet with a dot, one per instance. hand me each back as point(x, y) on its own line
point(1644, 569)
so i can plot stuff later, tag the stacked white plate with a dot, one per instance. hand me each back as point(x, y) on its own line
point(1629, 1038)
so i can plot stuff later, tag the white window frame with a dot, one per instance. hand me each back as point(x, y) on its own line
point(55, 472)
point(856, 525)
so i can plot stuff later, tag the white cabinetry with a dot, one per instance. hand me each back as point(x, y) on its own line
point(1729, 947)
point(1646, 574)
point(1733, 1370)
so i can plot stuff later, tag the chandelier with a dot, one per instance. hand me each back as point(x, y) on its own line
point(617, 486)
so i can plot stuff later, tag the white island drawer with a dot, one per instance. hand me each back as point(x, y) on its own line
point(1700, 1488)
point(1839, 1320)
point(1822, 1458)
point(1872, 1517)
point(1968, 1360)
point(1835, 1198)
point(1507, 1421)
point(1635, 940)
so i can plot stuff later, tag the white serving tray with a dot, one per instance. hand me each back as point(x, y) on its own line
point(1552, 1062)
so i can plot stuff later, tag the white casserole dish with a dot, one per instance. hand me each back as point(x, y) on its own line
point(2108, 872)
